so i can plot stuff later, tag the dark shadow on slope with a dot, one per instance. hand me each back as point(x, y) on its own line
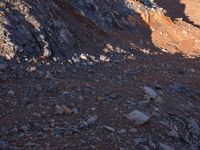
point(175, 9)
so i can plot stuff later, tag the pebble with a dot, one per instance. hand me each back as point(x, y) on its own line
point(24, 128)
point(193, 127)
point(31, 69)
point(138, 117)
point(122, 131)
point(108, 128)
point(63, 110)
point(66, 110)
point(59, 110)
point(11, 93)
point(91, 120)
point(133, 130)
point(165, 147)
point(75, 111)
point(179, 88)
point(173, 133)
point(2, 66)
point(152, 94)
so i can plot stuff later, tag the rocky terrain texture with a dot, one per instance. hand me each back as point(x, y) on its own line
point(99, 75)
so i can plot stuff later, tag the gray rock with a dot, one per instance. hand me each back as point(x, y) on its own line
point(89, 122)
point(173, 133)
point(179, 88)
point(165, 147)
point(138, 141)
point(92, 120)
point(75, 111)
point(11, 93)
point(152, 94)
point(193, 127)
point(4, 145)
point(58, 110)
point(138, 117)
point(2, 66)
point(110, 129)
point(24, 128)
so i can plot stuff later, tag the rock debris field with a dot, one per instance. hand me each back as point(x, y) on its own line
point(99, 75)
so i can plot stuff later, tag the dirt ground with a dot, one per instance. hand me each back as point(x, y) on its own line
point(72, 72)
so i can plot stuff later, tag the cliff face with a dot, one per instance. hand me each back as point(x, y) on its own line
point(55, 27)
point(60, 28)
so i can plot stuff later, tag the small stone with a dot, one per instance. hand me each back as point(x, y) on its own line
point(110, 129)
point(140, 140)
point(24, 128)
point(193, 127)
point(122, 131)
point(66, 110)
point(11, 93)
point(3, 144)
point(26, 101)
point(59, 110)
point(92, 120)
point(52, 123)
point(31, 69)
point(133, 130)
point(138, 117)
point(104, 58)
point(48, 75)
point(173, 133)
point(179, 88)
point(63, 110)
point(150, 92)
point(165, 147)
point(30, 144)
point(75, 111)
point(14, 130)
point(2, 66)
point(83, 56)
point(153, 95)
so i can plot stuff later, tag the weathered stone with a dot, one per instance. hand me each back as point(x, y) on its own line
point(110, 129)
point(138, 117)
point(2, 66)
point(165, 147)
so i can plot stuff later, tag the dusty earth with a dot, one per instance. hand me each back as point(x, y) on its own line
point(104, 75)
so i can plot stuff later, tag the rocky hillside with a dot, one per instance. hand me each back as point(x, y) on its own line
point(99, 74)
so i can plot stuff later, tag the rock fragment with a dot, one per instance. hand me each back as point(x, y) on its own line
point(2, 66)
point(63, 110)
point(108, 128)
point(152, 94)
point(138, 117)
point(165, 147)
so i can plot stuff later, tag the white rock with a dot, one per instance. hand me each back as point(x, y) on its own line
point(138, 117)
